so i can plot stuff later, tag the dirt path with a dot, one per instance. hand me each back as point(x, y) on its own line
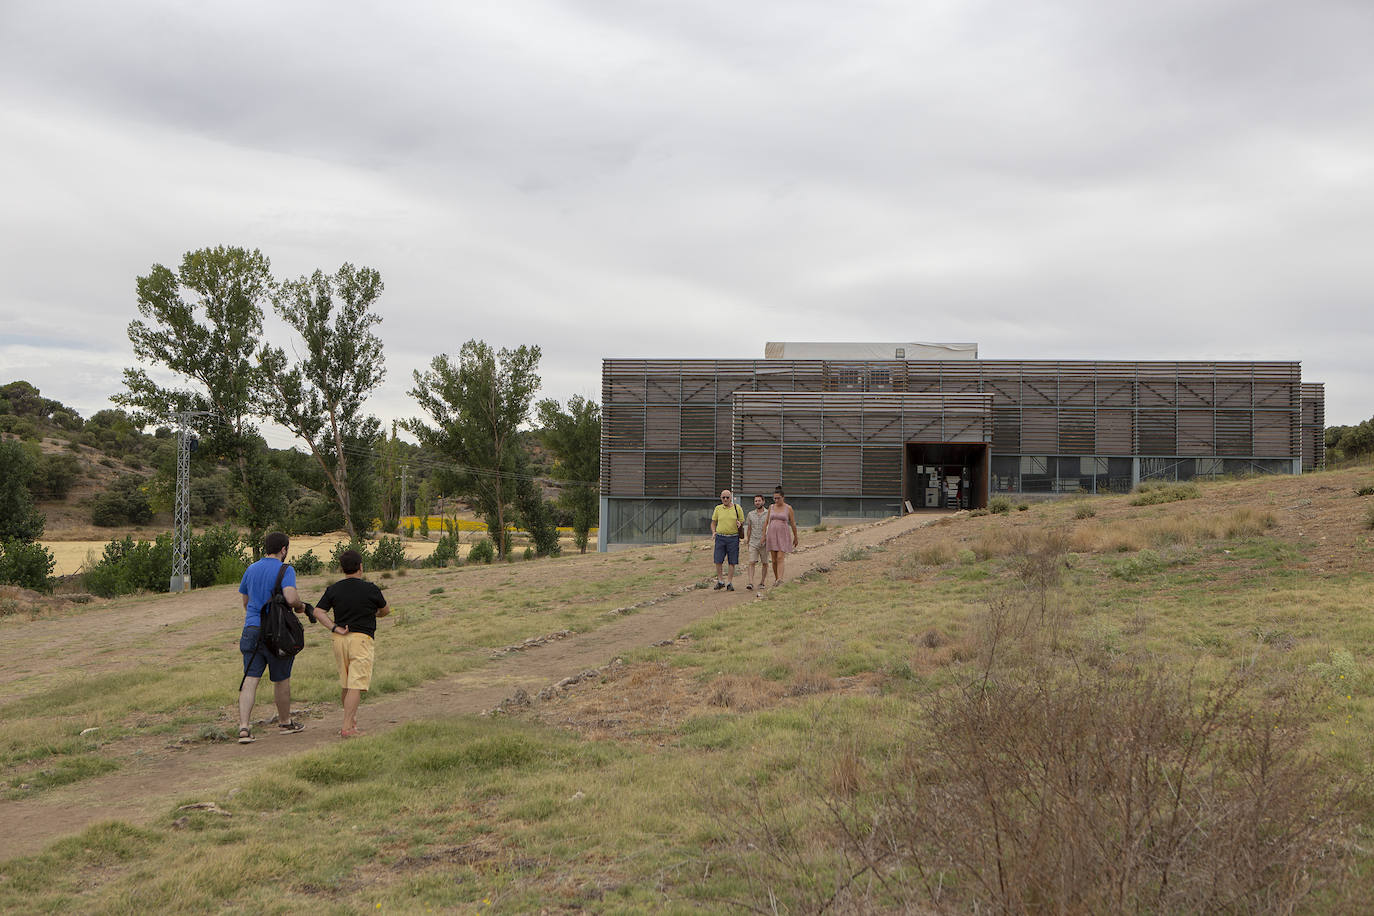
point(150, 783)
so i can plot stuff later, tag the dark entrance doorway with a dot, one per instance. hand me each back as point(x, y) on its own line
point(947, 475)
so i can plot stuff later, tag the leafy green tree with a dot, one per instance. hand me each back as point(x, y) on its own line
point(389, 481)
point(23, 399)
point(574, 437)
point(19, 520)
point(1348, 443)
point(536, 516)
point(203, 322)
point(124, 502)
point(477, 406)
point(319, 395)
point(422, 503)
point(53, 476)
point(27, 564)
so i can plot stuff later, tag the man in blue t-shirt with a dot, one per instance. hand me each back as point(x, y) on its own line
point(256, 589)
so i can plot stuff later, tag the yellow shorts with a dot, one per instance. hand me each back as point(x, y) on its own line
point(354, 653)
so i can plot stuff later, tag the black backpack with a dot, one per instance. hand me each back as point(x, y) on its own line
point(282, 632)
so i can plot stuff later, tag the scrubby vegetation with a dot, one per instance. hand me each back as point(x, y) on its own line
point(218, 556)
point(1153, 493)
point(1157, 709)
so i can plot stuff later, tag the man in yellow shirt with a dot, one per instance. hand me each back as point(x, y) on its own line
point(725, 525)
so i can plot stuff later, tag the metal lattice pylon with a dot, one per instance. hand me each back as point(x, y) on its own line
point(181, 516)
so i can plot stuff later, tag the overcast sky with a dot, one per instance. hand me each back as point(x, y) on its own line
point(1080, 179)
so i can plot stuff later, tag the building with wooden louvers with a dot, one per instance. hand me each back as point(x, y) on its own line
point(867, 438)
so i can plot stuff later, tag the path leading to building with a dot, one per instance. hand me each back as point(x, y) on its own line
point(149, 784)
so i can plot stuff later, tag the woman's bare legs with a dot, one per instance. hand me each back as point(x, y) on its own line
point(777, 566)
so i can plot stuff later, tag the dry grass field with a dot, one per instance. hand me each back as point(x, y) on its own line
point(1090, 706)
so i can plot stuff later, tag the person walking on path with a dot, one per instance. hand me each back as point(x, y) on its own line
point(726, 521)
point(780, 540)
point(258, 583)
point(755, 524)
point(356, 603)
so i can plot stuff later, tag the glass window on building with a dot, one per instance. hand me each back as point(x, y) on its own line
point(1118, 476)
point(1006, 474)
point(1037, 475)
point(1159, 469)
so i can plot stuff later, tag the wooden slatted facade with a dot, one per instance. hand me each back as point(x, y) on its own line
point(1313, 426)
point(670, 429)
point(853, 442)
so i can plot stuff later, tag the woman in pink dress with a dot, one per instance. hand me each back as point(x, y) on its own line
point(779, 540)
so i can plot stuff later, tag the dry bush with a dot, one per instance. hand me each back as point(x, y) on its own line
point(1071, 790)
point(809, 681)
point(1246, 523)
point(1114, 537)
point(994, 542)
point(937, 554)
point(1131, 535)
point(846, 771)
point(1080, 791)
point(742, 693)
point(1153, 494)
point(932, 639)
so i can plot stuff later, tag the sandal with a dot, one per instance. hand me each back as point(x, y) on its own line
point(351, 733)
point(291, 727)
point(246, 735)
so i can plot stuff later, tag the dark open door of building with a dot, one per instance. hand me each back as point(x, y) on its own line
point(941, 475)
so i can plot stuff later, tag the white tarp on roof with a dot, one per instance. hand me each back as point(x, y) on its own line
point(868, 351)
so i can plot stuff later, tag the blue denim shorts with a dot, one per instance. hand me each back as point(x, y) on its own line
point(256, 658)
point(727, 546)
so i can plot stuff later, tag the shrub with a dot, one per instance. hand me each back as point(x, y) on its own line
point(529, 553)
point(358, 544)
point(53, 477)
point(18, 519)
point(978, 513)
point(853, 552)
point(1364, 491)
point(1022, 507)
point(214, 554)
point(1153, 494)
point(307, 564)
point(444, 553)
point(231, 570)
point(1084, 511)
point(388, 554)
point(1088, 791)
point(125, 502)
point(999, 505)
point(1340, 671)
point(27, 564)
point(410, 530)
point(128, 566)
point(937, 554)
point(482, 551)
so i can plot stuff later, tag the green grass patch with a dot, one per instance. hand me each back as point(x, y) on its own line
point(702, 805)
point(64, 771)
point(1154, 494)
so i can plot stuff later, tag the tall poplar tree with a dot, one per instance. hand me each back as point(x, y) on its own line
point(574, 437)
point(318, 395)
point(203, 322)
point(476, 406)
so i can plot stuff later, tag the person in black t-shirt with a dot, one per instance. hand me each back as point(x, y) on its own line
point(356, 603)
